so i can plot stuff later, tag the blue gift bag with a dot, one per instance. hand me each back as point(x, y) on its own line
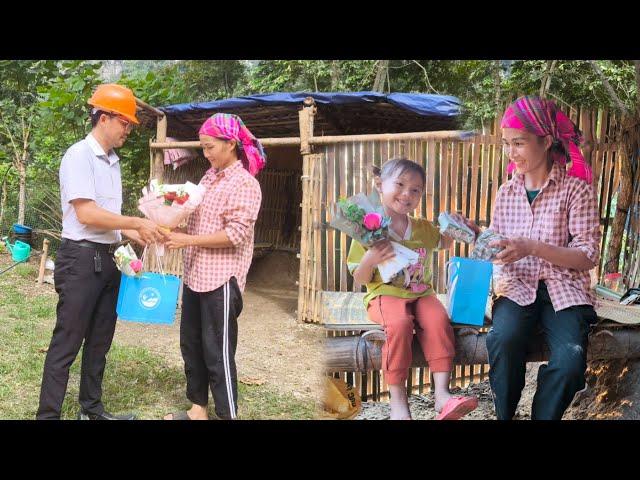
point(151, 298)
point(468, 290)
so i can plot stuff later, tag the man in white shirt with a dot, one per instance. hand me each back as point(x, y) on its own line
point(86, 278)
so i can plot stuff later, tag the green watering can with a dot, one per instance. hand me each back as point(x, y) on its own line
point(20, 251)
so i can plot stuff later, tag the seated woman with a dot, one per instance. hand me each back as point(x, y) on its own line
point(550, 217)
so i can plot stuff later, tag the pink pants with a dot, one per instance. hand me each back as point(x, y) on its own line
point(399, 317)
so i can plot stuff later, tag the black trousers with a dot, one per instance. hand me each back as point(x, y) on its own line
point(566, 333)
point(208, 339)
point(86, 312)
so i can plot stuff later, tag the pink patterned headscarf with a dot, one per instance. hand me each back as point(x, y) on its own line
point(231, 127)
point(542, 117)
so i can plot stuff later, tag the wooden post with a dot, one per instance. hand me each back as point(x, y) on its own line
point(306, 132)
point(43, 260)
point(157, 167)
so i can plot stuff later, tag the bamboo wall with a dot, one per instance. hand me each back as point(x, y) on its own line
point(279, 219)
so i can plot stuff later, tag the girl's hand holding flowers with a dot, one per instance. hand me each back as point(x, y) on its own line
point(378, 253)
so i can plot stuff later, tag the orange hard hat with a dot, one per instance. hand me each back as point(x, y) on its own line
point(115, 98)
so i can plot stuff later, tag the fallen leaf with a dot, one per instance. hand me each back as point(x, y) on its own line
point(43, 350)
point(252, 381)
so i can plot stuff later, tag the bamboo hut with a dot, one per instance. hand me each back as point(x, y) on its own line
point(320, 147)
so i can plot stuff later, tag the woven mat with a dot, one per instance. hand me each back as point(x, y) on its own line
point(613, 311)
point(345, 311)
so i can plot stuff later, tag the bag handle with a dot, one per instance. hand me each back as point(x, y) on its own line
point(159, 264)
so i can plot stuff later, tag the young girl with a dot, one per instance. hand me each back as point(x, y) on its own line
point(219, 249)
point(408, 301)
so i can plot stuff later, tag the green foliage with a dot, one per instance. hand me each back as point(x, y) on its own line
point(212, 79)
point(311, 75)
point(353, 212)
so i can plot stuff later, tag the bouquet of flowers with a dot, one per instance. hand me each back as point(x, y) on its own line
point(127, 261)
point(362, 218)
point(170, 205)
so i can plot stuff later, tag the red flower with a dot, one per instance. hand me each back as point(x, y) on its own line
point(170, 196)
point(182, 199)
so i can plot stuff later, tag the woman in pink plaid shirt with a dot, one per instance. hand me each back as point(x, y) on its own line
point(218, 251)
point(550, 217)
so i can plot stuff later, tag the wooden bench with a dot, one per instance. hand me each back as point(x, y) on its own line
point(616, 335)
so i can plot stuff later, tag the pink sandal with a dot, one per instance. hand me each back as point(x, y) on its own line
point(457, 407)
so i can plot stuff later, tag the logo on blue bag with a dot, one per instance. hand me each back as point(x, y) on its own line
point(149, 298)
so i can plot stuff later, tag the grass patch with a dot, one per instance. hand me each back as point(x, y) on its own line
point(25, 270)
point(135, 379)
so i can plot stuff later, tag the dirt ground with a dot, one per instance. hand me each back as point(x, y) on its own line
point(273, 348)
point(613, 393)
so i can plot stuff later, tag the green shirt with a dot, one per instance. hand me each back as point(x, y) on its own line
point(531, 195)
point(413, 281)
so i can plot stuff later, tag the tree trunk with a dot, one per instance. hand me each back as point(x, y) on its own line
point(497, 83)
point(335, 75)
point(546, 78)
point(22, 173)
point(364, 353)
point(381, 75)
point(629, 147)
point(3, 200)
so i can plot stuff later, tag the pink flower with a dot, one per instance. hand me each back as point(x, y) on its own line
point(372, 221)
point(136, 265)
point(418, 287)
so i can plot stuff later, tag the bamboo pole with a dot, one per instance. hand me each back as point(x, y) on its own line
point(438, 135)
point(148, 107)
point(325, 140)
point(43, 260)
point(305, 117)
point(157, 168)
point(358, 354)
point(266, 142)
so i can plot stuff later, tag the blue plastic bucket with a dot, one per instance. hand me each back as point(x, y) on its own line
point(21, 229)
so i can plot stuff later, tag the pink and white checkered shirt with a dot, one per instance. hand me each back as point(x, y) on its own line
point(565, 214)
point(231, 204)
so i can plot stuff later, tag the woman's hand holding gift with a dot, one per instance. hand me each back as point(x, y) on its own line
point(513, 249)
point(178, 240)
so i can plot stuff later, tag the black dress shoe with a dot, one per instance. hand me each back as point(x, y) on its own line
point(105, 416)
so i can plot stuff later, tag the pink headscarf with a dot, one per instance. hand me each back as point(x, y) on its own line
point(231, 127)
point(542, 117)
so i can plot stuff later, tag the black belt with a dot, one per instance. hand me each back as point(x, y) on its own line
point(104, 247)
